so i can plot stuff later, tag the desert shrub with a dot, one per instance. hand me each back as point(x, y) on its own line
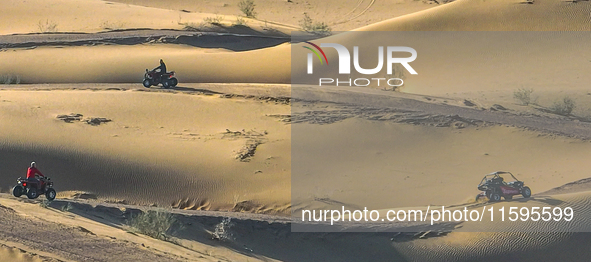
point(217, 20)
point(10, 79)
point(319, 28)
point(196, 27)
point(67, 207)
point(563, 107)
point(269, 28)
point(156, 224)
point(45, 203)
point(112, 25)
point(239, 21)
point(523, 95)
point(47, 26)
point(247, 7)
point(222, 230)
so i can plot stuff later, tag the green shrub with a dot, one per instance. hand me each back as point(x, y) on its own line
point(156, 224)
point(196, 27)
point(222, 230)
point(45, 203)
point(47, 26)
point(319, 28)
point(217, 20)
point(239, 21)
point(563, 107)
point(523, 95)
point(247, 7)
point(112, 25)
point(10, 79)
point(67, 207)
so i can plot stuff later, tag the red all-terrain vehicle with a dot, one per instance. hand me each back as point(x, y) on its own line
point(495, 186)
point(33, 188)
point(152, 78)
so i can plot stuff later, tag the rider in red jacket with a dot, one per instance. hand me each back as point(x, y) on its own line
point(31, 175)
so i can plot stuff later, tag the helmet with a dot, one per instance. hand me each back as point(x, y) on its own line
point(161, 61)
point(33, 164)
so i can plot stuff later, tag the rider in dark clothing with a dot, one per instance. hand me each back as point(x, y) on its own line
point(162, 69)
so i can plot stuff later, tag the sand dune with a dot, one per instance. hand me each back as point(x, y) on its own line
point(107, 64)
point(504, 15)
point(515, 242)
point(17, 255)
point(89, 16)
point(496, 247)
point(228, 147)
point(272, 65)
point(159, 148)
point(404, 165)
point(340, 15)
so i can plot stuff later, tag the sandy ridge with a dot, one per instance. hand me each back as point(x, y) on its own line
point(134, 37)
point(368, 99)
point(372, 104)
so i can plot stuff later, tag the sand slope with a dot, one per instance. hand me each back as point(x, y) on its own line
point(272, 65)
point(406, 166)
point(504, 15)
point(88, 16)
point(178, 149)
point(260, 238)
point(170, 149)
point(16, 255)
point(109, 64)
point(340, 15)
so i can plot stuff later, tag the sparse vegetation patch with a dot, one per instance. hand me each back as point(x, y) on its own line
point(247, 7)
point(156, 224)
point(319, 28)
point(47, 26)
point(217, 20)
point(9, 79)
point(563, 107)
point(524, 96)
point(222, 230)
point(239, 21)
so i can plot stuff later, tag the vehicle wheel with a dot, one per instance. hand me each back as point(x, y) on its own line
point(32, 193)
point(18, 191)
point(508, 197)
point(147, 83)
point(526, 192)
point(50, 194)
point(495, 197)
point(174, 82)
point(166, 84)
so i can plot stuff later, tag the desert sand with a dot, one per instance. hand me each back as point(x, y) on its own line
point(201, 159)
point(218, 150)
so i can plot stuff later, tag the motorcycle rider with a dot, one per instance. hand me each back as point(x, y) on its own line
point(162, 69)
point(32, 173)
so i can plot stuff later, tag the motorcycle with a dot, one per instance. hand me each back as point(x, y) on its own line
point(152, 78)
point(33, 188)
